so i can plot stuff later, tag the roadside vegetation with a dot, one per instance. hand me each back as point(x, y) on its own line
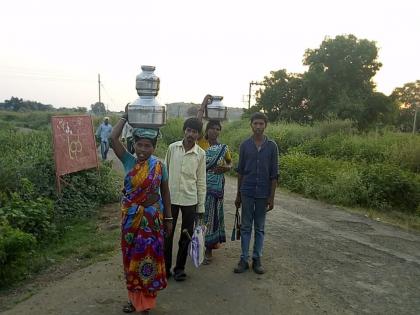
point(35, 221)
point(377, 173)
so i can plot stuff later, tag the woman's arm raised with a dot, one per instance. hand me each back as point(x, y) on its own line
point(116, 144)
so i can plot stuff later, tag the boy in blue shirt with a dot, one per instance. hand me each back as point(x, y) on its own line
point(257, 182)
point(104, 132)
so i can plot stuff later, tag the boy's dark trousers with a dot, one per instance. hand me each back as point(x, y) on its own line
point(188, 218)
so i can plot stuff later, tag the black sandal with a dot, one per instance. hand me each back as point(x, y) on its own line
point(129, 308)
point(180, 276)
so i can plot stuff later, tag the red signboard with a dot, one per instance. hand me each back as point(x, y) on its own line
point(74, 144)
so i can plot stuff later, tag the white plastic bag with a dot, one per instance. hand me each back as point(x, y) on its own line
point(197, 246)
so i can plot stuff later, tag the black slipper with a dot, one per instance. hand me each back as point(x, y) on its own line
point(206, 261)
point(180, 276)
point(129, 308)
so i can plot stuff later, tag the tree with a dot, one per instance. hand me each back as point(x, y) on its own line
point(282, 97)
point(18, 104)
point(378, 109)
point(409, 94)
point(338, 84)
point(407, 97)
point(13, 104)
point(339, 78)
point(98, 108)
point(81, 109)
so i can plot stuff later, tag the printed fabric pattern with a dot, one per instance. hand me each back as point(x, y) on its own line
point(214, 214)
point(142, 237)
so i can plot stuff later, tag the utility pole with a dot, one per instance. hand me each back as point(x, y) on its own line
point(99, 87)
point(416, 108)
point(249, 95)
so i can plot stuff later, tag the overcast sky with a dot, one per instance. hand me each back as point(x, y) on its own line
point(52, 51)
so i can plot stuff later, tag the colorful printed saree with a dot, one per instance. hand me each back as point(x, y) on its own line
point(214, 215)
point(142, 234)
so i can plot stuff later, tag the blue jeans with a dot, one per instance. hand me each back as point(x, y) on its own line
point(253, 211)
point(104, 149)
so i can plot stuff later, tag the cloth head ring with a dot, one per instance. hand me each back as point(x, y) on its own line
point(146, 133)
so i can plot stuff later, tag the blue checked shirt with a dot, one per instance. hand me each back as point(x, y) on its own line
point(257, 167)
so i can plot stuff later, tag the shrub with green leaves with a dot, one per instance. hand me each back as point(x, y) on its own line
point(30, 208)
point(172, 131)
point(84, 191)
point(379, 186)
point(402, 150)
point(15, 248)
point(34, 216)
point(389, 187)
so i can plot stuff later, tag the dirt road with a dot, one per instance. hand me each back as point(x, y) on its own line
point(319, 259)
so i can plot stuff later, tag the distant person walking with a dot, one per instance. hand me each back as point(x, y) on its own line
point(127, 138)
point(218, 162)
point(257, 182)
point(145, 218)
point(103, 133)
point(186, 163)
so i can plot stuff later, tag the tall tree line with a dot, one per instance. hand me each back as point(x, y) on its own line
point(338, 84)
point(19, 105)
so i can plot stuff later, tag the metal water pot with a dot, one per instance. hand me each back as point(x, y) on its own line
point(146, 112)
point(216, 110)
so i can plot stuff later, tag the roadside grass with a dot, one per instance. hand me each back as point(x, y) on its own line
point(83, 242)
point(402, 220)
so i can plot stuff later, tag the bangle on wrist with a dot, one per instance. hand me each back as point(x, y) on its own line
point(168, 219)
point(123, 118)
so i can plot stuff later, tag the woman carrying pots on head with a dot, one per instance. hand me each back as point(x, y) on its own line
point(218, 162)
point(146, 217)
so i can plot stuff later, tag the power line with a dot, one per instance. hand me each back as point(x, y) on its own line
point(108, 94)
point(38, 75)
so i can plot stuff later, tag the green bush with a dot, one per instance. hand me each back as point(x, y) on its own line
point(379, 186)
point(347, 187)
point(30, 208)
point(15, 248)
point(84, 191)
point(334, 126)
point(172, 131)
point(26, 211)
point(308, 175)
point(30, 156)
point(390, 148)
point(26, 155)
point(388, 187)
point(37, 120)
point(406, 152)
point(344, 147)
point(234, 133)
point(286, 135)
